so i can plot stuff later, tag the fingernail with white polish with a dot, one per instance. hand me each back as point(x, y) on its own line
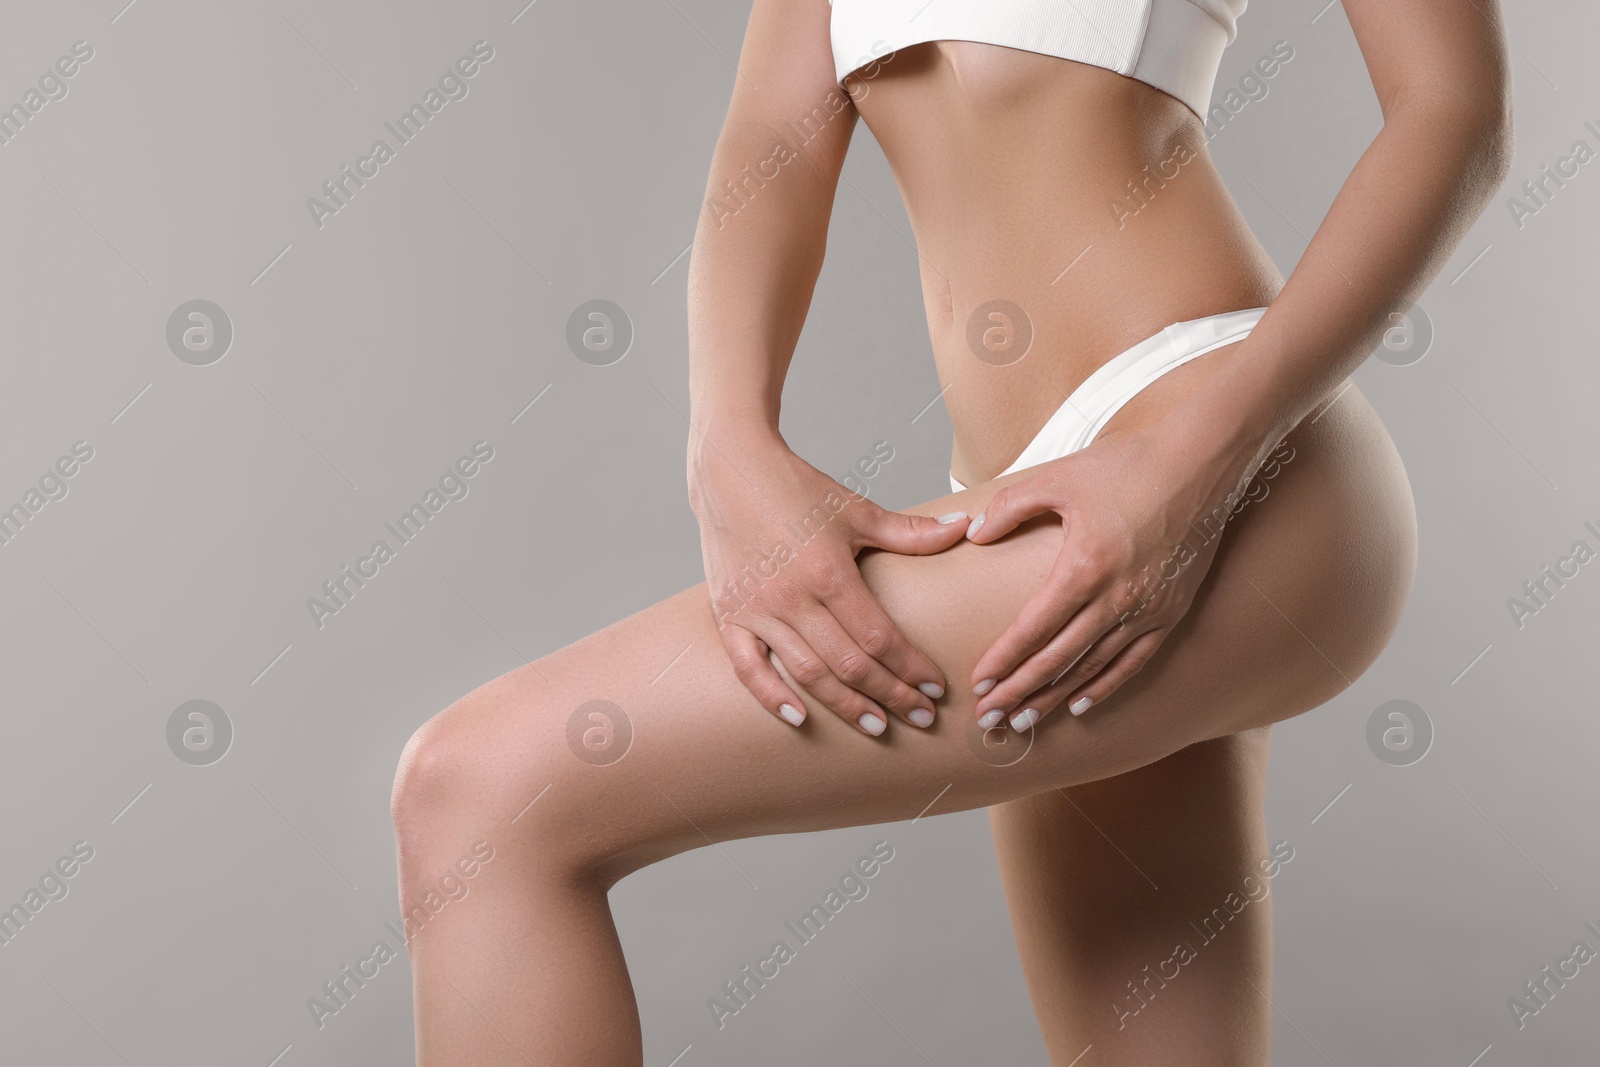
point(977, 524)
point(871, 724)
point(990, 719)
point(1079, 706)
point(920, 717)
point(1024, 719)
point(791, 714)
point(931, 690)
point(954, 516)
point(983, 686)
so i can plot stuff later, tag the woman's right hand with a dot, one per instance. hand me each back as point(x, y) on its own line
point(780, 540)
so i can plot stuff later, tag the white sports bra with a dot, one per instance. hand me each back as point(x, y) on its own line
point(1174, 45)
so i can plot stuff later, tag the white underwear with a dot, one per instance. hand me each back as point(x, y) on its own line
point(1174, 45)
point(1092, 404)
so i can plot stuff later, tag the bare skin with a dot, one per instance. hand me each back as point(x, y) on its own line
point(1008, 162)
point(1095, 268)
point(1270, 637)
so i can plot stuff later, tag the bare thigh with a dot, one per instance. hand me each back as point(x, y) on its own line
point(1305, 589)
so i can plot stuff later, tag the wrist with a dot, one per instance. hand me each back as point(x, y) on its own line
point(753, 423)
point(724, 443)
point(1239, 415)
point(1205, 451)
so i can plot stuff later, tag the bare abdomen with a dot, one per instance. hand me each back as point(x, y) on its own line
point(1057, 206)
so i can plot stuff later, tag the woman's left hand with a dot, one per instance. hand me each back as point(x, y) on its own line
point(1142, 515)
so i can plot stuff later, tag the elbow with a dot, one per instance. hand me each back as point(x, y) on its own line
point(1480, 124)
point(1493, 134)
point(1496, 134)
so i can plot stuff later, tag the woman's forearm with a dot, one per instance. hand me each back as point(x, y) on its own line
point(757, 253)
point(1398, 217)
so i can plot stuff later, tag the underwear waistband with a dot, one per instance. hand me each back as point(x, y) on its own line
point(1102, 394)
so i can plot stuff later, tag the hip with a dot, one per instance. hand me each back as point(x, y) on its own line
point(1018, 323)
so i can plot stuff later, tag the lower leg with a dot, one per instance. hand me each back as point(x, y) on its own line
point(516, 962)
point(1140, 909)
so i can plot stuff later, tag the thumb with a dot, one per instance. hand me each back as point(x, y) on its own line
point(1008, 509)
point(909, 535)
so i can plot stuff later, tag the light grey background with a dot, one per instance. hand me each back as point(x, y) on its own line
point(428, 313)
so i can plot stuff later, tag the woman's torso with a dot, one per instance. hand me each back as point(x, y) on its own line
point(1065, 195)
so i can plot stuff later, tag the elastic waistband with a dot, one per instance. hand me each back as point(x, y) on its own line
point(1173, 45)
point(1121, 378)
point(1181, 51)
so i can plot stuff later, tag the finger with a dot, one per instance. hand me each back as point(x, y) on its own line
point(750, 663)
point(1127, 663)
point(870, 627)
point(1130, 656)
point(1064, 594)
point(793, 654)
point(852, 665)
point(909, 535)
point(1049, 664)
point(1010, 508)
point(1099, 655)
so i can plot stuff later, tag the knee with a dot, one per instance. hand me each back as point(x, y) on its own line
point(427, 792)
point(486, 770)
point(464, 767)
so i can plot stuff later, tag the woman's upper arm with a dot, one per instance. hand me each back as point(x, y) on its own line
point(785, 93)
point(1450, 48)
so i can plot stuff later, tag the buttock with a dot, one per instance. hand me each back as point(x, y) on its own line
point(1310, 579)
